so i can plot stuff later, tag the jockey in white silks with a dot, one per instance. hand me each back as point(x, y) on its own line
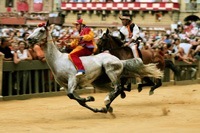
point(131, 32)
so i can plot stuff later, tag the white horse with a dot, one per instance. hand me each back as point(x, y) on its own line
point(95, 66)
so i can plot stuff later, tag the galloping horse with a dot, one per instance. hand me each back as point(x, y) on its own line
point(115, 46)
point(96, 65)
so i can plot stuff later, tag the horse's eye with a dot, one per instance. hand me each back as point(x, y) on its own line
point(42, 30)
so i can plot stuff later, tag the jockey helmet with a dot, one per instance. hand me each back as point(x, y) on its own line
point(80, 21)
point(125, 16)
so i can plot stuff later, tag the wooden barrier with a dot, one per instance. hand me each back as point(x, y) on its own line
point(27, 77)
point(1, 73)
point(33, 78)
point(187, 71)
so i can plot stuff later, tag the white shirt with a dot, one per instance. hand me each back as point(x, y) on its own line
point(175, 48)
point(135, 33)
point(23, 55)
point(186, 47)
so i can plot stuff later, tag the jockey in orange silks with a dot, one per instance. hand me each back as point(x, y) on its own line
point(83, 44)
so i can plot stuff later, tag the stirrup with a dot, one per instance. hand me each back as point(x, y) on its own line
point(79, 74)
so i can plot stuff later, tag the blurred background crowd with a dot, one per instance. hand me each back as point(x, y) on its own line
point(181, 43)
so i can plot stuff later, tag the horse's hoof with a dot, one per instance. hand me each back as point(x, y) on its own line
point(110, 109)
point(129, 87)
point(139, 88)
point(104, 110)
point(151, 92)
point(90, 99)
point(95, 110)
point(123, 95)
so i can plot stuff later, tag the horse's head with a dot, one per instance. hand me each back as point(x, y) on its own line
point(39, 34)
point(108, 42)
point(103, 42)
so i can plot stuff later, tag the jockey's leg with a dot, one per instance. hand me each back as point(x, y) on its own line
point(74, 57)
point(134, 48)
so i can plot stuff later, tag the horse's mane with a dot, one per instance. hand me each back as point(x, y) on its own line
point(117, 40)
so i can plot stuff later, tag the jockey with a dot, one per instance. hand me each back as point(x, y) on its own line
point(131, 32)
point(82, 44)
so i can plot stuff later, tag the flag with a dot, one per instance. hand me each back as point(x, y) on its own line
point(38, 5)
point(22, 6)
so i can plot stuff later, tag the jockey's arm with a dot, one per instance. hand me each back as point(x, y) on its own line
point(64, 37)
point(77, 38)
point(87, 37)
point(74, 43)
point(136, 32)
point(135, 35)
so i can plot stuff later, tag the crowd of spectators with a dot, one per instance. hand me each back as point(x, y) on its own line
point(182, 43)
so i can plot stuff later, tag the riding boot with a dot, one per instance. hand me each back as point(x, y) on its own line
point(139, 52)
point(134, 50)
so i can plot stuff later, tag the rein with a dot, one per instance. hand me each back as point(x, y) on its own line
point(45, 40)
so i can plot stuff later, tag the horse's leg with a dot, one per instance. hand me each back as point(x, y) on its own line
point(139, 51)
point(111, 97)
point(72, 84)
point(158, 84)
point(123, 83)
point(113, 69)
point(148, 82)
point(128, 82)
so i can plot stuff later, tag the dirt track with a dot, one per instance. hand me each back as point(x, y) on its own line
point(172, 109)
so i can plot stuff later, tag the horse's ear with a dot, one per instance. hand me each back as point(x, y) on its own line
point(107, 31)
point(47, 23)
point(122, 35)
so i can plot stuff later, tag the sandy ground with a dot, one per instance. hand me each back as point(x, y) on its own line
point(172, 109)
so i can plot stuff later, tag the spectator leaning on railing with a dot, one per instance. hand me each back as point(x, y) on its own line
point(195, 50)
point(197, 53)
point(22, 53)
point(37, 52)
point(4, 49)
point(184, 53)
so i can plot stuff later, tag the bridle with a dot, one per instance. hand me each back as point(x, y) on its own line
point(45, 40)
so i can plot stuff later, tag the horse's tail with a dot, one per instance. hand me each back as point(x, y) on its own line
point(135, 67)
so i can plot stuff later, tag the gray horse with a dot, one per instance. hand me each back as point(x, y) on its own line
point(97, 66)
